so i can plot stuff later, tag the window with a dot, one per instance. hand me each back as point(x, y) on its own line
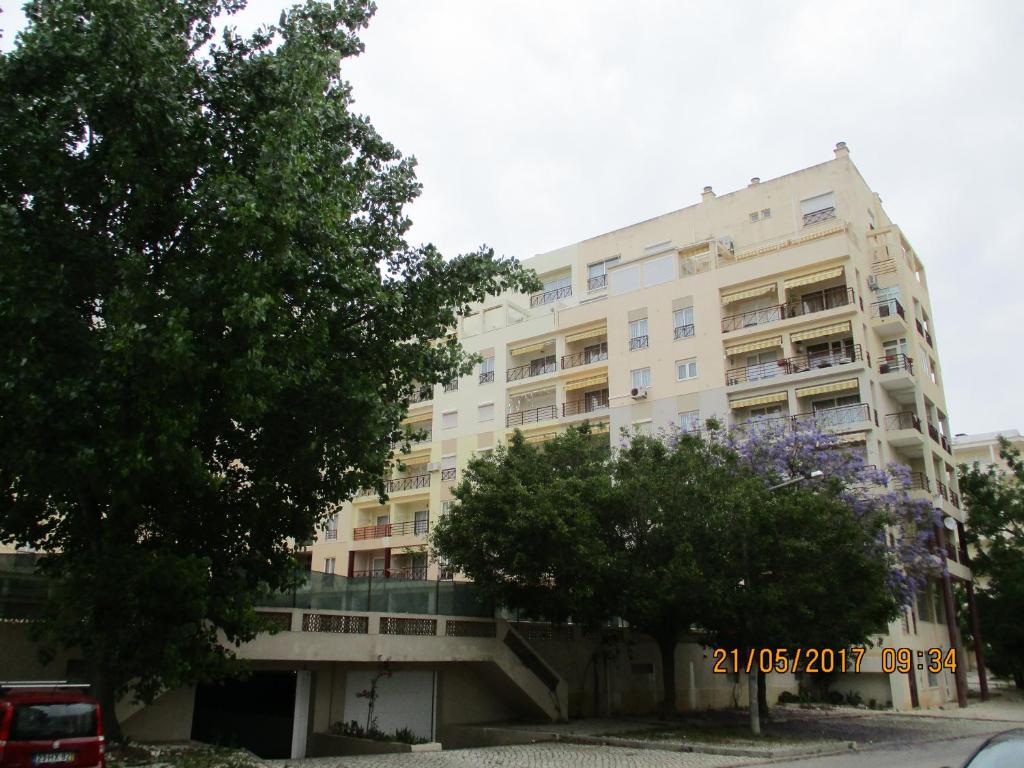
point(686, 369)
point(754, 216)
point(329, 565)
point(451, 386)
point(829, 353)
point(450, 420)
point(818, 208)
point(689, 421)
point(541, 365)
point(421, 522)
point(485, 412)
point(487, 370)
point(595, 352)
point(640, 378)
point(383, 519)
point(762, 365)
point(766, 213)
point(597, 273)
point(645, 427)
point(446, 507)
point(765, 413)
point(332, 526)
point(638, 338)
point(682, 320)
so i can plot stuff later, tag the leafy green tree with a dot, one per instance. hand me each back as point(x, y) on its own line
point(995, 502)
point(210, 318)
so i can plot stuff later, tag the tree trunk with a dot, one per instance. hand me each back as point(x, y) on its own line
point(1018, 678)
point(667, 645)
point(104, 691)
point(762, 695)
point(752, 699)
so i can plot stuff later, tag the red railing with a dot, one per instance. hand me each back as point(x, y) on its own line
point(531, 416)
point(586, 405)
point(808, 304)
point(790, 365)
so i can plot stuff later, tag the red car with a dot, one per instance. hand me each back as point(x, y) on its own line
point(49, 724)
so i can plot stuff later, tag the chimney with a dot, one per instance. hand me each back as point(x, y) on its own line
point(755, 181)
point(707, 194)
point(841, 150)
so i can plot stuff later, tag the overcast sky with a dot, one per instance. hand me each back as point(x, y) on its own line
point(538, 124)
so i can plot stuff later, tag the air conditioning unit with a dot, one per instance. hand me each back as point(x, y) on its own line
point(638, 393)
point(434, 466)
point(872, 282)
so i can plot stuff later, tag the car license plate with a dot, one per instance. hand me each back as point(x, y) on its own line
point(50, 758)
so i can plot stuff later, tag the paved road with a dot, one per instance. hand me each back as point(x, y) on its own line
point(951, 752)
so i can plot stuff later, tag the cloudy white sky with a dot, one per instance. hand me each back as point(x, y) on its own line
point(539, 123)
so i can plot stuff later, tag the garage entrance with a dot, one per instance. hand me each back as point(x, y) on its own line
point(255, 713)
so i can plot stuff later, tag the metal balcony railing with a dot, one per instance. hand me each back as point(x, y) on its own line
point(841, 416)
point(418, 573)
point(539, 299)
point(530, 370)
point(487, 377)
point(816, 216)
point(683, 331)
point(944, 442)
point(331, 533)
point(933, 433)
point(918, 481)
point(451, 386)
point(954, 499)
point(902, 420)
point(808, 304)
point(583, 358)
point(448, 473)
point(531, 416)
point(596, 283)
point(897, 362)
point(586, 405)
point(943, 490)
point(790, 365)
point(889, 308)
point(409, 527)
point(407, 483)
point(639, 342)
point(422, 395)
point(920, 326)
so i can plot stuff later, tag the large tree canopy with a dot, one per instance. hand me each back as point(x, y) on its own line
point(210, 318)
point(692, 532)
point(995, 502)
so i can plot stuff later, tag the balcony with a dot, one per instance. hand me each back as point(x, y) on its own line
point(837, 418)
point(536, 368)
point(407, 483)
point(583, 358)
point(933, 432)
point(790, 365)
point(487, 377)
point(943, 490)
point(448, 473)
point(816, 217)
point(902, 420)
point(809, 304)
point(889, 308)
point(586, 405)
point(408, 528)
point(918, 481)
point(531, 416)
point(416, 573)
point(639, 342)
point(422, 395)
point(547, 297)
point(597, 283)
point(683, 332)
point(923, 331)
point(954, 499)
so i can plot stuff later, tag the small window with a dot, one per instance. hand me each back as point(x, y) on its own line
point(754, 216)
point(450, 420)
point(446, 507)
point(689, 421)
point(448, 462)
point(640, 378)
point(485, 412)
point(686, 369)
point(766, 213)
point(329, 564)
point(645, 427)
point(682, 320)
point(638, 338)
point(487, 370)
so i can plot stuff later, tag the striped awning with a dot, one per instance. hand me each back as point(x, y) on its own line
point(814, 277)
point(835, 386)
point(588, 334)
point(749, 293)
point(538, 347)
point(748, 402)
point(825, 330)
point(751, 346)
point(853, 437)
point(543, 437)
point(589, 381)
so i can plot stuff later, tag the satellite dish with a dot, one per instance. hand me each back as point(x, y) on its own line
point(950, 523)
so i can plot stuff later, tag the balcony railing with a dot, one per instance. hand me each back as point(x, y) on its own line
point(331, 533)
point(407, 483)
point(586, 405)
point(487, 377)
point(918, 481)
point(816, 216)
point(944, 442)
point(409, 527)
point(539, 299)
point(451, 386)
point(531, 416)
point(902, 420)
point(897, 362)
point(888, 308)
point(683, 331)
point(421, 395)
point(841, 416)
point(830, 298)
point(418, 573)
point(583, 358)
point(529, 370)
point(790, 365)
point(597, 282)
point(448, 473)
point(639, 342)
point(933, 432)
point(954, 499)
point(943, 490)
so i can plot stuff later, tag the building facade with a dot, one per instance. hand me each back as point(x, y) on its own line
point(794, 296)
point(983, 448)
